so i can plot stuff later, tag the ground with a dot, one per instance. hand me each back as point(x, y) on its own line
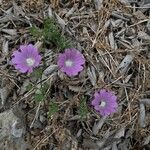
point(47, 109)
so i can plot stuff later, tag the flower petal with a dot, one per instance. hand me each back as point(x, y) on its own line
point(73, 55)
point(20, 57)
point(109, 98)
point(95, 102)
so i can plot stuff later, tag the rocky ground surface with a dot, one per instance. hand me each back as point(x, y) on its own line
point(114, 37)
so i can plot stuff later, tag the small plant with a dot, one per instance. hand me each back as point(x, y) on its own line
point(39, 96)
point(41, 93)
point(50, 33)
point(37, 73)
point(53, 108)
point(29, 87)
point(83, 109)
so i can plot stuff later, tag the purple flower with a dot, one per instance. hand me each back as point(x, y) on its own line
point(26, 58)
point(104, 102)
point(71, 61)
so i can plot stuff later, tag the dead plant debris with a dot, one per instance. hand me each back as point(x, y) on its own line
point(114, 37)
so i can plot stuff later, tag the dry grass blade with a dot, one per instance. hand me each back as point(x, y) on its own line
point(98, 126)
point(120, 133)
point(98, 4)
point(5, 48)
point(143, 35)
point(113, 36)
point(92, 75)
point(112, 41)
point(44, 139)
point(10, 31)
point(125, 63)
point(60, 21)
point(36, 115)
point(49, 70)
point(142, 116)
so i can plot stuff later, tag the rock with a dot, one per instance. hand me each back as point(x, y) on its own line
point(12, 129)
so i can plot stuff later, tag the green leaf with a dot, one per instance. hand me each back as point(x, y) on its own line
point(44, 88)
point(39, 97)
point(40, 93)
point(53, 108)
point(62, 43)
point(29, 87)
point(83, 109)
point(37, 73)
point(36, 32)
point(50, 33)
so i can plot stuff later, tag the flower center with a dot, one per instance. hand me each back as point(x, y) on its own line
point(102, 104)
point(30, 61)
point(68, 63)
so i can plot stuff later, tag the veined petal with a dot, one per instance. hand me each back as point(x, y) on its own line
point(71, 61)
point(107, 98)
point(21, 59)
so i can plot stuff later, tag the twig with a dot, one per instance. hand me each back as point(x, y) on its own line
point(44, 139)
point(139, 22)
point(36, 115)
point(129, 106)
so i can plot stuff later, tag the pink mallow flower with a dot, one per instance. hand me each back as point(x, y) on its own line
point(104, 102)
point(71, 62)
point(26, 58)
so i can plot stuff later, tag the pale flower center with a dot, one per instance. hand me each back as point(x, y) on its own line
point(68, 63)
point(102, 104)
point(30, 61)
